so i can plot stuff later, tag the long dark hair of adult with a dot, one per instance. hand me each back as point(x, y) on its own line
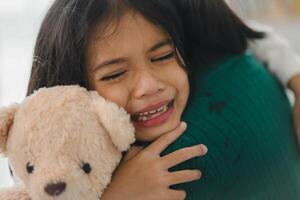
point(59, 56)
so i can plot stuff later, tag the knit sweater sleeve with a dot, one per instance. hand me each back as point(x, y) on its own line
point(276, 52)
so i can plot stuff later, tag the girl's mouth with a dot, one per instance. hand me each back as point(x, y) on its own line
point(154, 117)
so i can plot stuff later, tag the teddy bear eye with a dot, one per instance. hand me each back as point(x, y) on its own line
point(29, 168)
point(86, 167)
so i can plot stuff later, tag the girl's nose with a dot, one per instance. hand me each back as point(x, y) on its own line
point(147, 84)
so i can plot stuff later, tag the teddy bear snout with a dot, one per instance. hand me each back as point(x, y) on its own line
point(55, 189)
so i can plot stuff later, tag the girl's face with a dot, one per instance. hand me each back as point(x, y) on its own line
point(133, 64)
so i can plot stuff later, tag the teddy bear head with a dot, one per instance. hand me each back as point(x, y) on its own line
point(64, 142)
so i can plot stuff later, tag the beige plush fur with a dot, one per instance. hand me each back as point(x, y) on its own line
point(55, 132)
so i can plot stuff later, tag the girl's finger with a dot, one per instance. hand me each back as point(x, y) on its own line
point(165, 140)
point(183, 176)
point(176, 194)
point(133, 151)
point(183, 154)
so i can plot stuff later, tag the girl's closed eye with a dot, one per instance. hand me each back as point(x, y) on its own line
point(168, 56)
point(113, 76)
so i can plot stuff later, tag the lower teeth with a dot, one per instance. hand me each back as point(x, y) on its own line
point(145, 118)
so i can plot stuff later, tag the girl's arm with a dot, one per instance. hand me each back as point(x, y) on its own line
point(281, 60)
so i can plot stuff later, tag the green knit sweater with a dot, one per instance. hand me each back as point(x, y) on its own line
point(244, 117)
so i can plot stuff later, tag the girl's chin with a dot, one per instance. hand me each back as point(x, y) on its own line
point(152, 134)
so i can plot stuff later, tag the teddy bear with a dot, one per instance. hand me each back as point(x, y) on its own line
point(63, 143)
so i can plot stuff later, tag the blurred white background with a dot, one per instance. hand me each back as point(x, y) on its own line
point(20, 21)
point(283, 15)
point(19, 24)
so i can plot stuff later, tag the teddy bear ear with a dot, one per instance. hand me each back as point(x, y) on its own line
point(115, 120)
point(6, 120)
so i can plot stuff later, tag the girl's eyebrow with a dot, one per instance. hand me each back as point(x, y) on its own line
point(109, 62)
point(160, 44)
point(156, 46)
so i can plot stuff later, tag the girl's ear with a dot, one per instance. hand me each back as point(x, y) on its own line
point(6, 119)
point(115, 120)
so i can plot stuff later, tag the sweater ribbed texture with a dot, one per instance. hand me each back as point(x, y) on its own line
point(244, 117)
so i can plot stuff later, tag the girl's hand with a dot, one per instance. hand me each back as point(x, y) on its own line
point(296, 111)
point(143, 174)
point(294, 85)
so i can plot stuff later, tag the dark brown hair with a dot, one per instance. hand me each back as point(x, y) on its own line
point(59, 56)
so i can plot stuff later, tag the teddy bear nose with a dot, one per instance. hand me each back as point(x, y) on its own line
point(55, 189)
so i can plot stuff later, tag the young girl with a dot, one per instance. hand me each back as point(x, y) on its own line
point(137, 54)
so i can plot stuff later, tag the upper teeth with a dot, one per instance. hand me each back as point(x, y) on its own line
point(153, 111)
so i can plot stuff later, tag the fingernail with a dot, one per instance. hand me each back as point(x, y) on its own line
point(183, 125)
point(204, 148)
point(199, 173)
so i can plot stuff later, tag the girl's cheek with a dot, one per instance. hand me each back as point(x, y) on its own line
point(118, 95)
